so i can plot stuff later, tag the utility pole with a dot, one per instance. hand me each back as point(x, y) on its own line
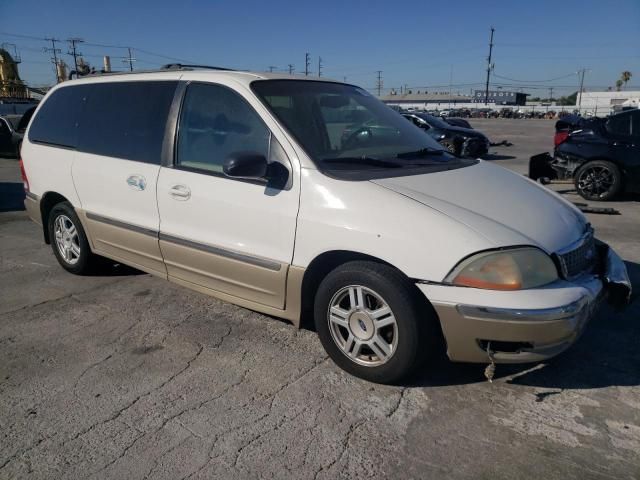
point(581, 72)
point(379, 82)
point(550, 94)
point(307, 62)
point(272, 68)
point(55, 52)
point(129, 60)
point(450, 82)
point(319, 66)
point(74, 51)
point(291, 68)
point(486, 89)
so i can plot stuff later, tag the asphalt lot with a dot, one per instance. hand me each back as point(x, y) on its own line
point(124, 375)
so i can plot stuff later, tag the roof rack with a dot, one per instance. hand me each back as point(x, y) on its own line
point(182, 66)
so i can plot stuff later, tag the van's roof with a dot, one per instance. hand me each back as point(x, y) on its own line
point(201, 73)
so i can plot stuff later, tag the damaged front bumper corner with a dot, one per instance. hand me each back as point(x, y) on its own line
point(525, 325)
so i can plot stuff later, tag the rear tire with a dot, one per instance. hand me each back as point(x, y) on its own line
point(372, 322)
point(69, 241)
point(598, 180)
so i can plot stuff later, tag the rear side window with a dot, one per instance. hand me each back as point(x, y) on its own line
point(620, 124)
point(126, 120)
point(57, 120)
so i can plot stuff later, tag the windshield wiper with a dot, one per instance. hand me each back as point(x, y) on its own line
point(423, 152)
point(376, 162)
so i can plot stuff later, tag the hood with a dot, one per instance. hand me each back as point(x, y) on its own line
point(505, 208)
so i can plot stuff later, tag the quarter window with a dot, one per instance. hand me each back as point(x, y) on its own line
point(216, 122)
point(57, 120)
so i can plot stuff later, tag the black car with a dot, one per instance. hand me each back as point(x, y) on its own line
point(9, 136)
point(601, 155)
point(464, 142)
point(12, 129)
point(458, 122)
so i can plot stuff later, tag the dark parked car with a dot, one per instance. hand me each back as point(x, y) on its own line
point(464, 142)
point(601, 155)
point(9, 136)
point(457, 122)
point(12, 129)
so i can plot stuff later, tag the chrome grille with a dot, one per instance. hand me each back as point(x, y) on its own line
point(580, 259)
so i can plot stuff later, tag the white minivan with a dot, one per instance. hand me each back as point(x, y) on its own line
point(309, 199)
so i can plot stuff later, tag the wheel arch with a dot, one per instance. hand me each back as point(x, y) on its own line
point(47, 202)
point(321, 266)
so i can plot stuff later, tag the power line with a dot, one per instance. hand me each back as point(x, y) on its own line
point(535, 81)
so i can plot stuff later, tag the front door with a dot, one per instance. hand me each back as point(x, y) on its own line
point(229, 236)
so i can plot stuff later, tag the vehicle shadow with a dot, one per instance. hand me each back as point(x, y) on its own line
point(606, 355)
point(11, 196)
point(494, 156)
point(110, 268)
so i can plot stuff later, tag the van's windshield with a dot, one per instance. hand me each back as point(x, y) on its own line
point(342, 126)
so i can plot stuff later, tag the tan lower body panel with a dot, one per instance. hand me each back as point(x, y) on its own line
point(277, 293)
point(133, 248)
point(223, 274)
point(32, 206)
point(462, 334)
point(293, 297)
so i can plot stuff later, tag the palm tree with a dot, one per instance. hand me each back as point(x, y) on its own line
point(618, 85)
point(625, 77)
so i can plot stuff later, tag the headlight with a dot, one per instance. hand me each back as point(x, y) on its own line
point(514, 269)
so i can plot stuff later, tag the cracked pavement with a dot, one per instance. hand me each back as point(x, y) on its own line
point(124, 375)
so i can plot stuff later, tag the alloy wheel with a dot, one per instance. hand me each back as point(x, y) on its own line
point(67, 239)
point(362, 325)
point(596, 181)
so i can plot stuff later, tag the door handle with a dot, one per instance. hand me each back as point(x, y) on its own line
point(137, 182)
point(180, 192)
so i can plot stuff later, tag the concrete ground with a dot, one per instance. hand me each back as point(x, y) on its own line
point(124, 375)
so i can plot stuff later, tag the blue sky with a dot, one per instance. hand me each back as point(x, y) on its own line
point(421, 44)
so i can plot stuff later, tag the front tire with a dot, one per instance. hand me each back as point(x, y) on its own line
point(372, 322)
point(598, 180)
point(69, 241)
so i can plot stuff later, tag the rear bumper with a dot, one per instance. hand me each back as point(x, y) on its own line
point(32, 206)
point(526, 325)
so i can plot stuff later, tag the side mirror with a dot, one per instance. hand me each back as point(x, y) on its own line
point(246, 165)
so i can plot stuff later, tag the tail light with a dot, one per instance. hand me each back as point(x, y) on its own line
point(560, 137)
point(25, 180)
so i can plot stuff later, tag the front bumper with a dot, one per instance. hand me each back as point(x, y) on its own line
point(525, 325)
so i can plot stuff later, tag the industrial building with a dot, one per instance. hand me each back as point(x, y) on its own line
point(10, 83)
point(606, 102)
point(500, 97)
point(440, 101)
point(425, 101)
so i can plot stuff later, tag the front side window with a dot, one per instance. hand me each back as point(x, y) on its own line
point(216, 122)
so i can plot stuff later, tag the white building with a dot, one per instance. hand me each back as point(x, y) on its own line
point(603, 103)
